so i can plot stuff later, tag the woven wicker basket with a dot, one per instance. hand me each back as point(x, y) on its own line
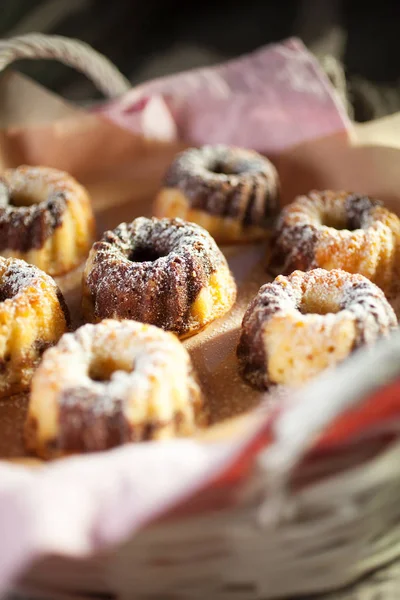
point(284, 523)
point(268, 540)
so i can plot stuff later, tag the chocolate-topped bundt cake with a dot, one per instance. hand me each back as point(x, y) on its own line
point(232, 192)
point(338, 230)
point(298, 326)
point(109, 384)
point(165, 272)
point(46, 218)
point(33, 316)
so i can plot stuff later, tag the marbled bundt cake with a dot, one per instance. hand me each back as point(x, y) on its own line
point(299, 325)
point(46, 218)
point(165, 272)
point(109, 384)
point(33, 316)
point(232, 192)
point(338, 230)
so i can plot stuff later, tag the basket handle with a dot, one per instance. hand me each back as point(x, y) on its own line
point(74, 53)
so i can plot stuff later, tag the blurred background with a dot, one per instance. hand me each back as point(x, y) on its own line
point(356, 42)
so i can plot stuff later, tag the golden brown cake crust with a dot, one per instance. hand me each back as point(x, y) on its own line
point(33, 316)
point(110, 384)
point(46, 218)
point(161, 271)
point(337, 230)
point(299, 325)
point(232, 192)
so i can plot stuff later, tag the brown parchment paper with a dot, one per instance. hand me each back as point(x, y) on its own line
point(123, 173)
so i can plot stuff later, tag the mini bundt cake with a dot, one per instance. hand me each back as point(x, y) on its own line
point(46, 218)
point(232, 192)
point(300, 325)
point(33, 316)
point(109, 384)
point(337, 230)
point(165, 272)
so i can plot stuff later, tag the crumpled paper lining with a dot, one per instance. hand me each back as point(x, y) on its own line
point(276, 101)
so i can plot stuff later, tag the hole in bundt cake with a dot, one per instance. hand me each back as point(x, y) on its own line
point(140, 255)
point(36, 195)
point(319, 305)
point(23, 199)
point(340, 221)
point(330, 221)
point(225, 168)
point(321, 297)
point(102, 370)
point(220, 169)
point(319, 309)
point(96, 375)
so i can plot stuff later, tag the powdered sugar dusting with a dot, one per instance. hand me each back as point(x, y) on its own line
point(213, 350)
point(232, 183)
point(152, 270)
point(125, 342)
point(38, 183)
point(16, 275)
point(39, 206)
point(150, 380)
point(342, 230)
point(316, 312)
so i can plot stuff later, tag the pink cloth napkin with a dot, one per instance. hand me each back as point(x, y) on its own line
point(270, 100)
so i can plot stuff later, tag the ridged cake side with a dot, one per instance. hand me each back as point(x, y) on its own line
point(33, 316)
point(109, 384)
point(338, 230)
point(46, 218)
point(299, 325)
point(234, 193)
point(165, 272)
